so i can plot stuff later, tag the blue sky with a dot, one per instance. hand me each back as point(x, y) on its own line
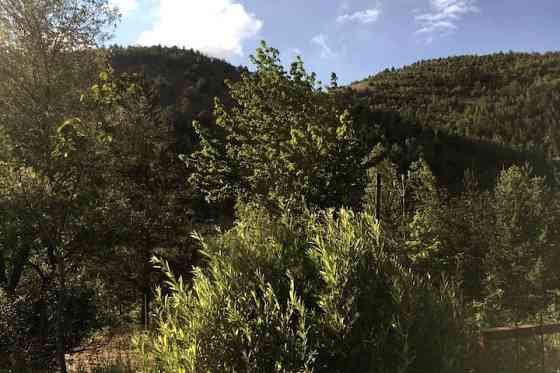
point(354, 38)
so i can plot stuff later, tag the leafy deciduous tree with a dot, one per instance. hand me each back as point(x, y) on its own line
point(283, 137)
point(46, 57)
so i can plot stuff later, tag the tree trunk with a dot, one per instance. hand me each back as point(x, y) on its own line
point(145, 285)
point(3, 277)
point(145, 308)
point(17, 271)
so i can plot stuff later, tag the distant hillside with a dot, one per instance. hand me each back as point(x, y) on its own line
point(510, 99)
point(186, 80)
point(479, 112)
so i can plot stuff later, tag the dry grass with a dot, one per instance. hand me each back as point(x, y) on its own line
point(110, 352)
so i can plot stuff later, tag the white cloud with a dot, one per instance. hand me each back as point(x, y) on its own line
point(365, 17)
point(124, 6)
point(215, 27)
point(322, 41)
point(295, 52)
point(443, 17)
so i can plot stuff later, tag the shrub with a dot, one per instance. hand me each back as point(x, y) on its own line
point(27, 327)
point(316, 293)
point(7, 322)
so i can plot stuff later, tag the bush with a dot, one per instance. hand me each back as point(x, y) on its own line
point(7, 322)
point(27, 325)
point(317, 293)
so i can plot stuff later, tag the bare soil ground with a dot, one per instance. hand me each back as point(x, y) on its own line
point(109, 352)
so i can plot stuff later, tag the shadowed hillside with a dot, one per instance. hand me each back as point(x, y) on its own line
point(496, 108)
point(186, 81)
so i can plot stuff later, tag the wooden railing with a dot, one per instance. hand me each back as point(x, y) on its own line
point(485, 364)
point(522, 331)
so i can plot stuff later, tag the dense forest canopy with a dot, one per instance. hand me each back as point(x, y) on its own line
point(465, 112)
point(255, 220)
point(186, 82)
point(509, 99)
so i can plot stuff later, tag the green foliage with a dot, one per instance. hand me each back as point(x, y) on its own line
point(46, 56)
point(466, 229)
point(144, 206)
point(29, 333)
point(282, 127)
point(410, 208)
point(486, 111)
point(185, 83)
point(523, 263)
point(462, 94)
point(7, 321)
point(317, 293)
point(91, 187)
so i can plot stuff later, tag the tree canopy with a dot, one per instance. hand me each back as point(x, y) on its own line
point(282, 126)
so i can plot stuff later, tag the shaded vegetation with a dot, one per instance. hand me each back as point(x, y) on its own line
point(319, 294)
point(185, 81)
point(496, 109)
point(378, 227)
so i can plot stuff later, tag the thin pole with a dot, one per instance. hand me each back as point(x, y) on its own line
point(145, 310)
point(378, 197)
point(542, 344)
point(403, 185)
point(543, 305)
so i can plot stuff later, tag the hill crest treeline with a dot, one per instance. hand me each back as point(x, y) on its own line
point(480, 112)
point(506, 98)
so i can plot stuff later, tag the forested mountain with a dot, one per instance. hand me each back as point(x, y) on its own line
point(185, 80)
point(479, 112)
point(502, 103)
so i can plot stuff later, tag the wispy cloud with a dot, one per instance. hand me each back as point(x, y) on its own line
point(216, 27)
point(365, 17)
point(322, 41)
point(295, 51)
point(443, 17)
point(124, 6)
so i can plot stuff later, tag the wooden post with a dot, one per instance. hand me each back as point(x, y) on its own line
point(378, 196)
point(403, 201)
point(403, 186)
point(145, 310)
